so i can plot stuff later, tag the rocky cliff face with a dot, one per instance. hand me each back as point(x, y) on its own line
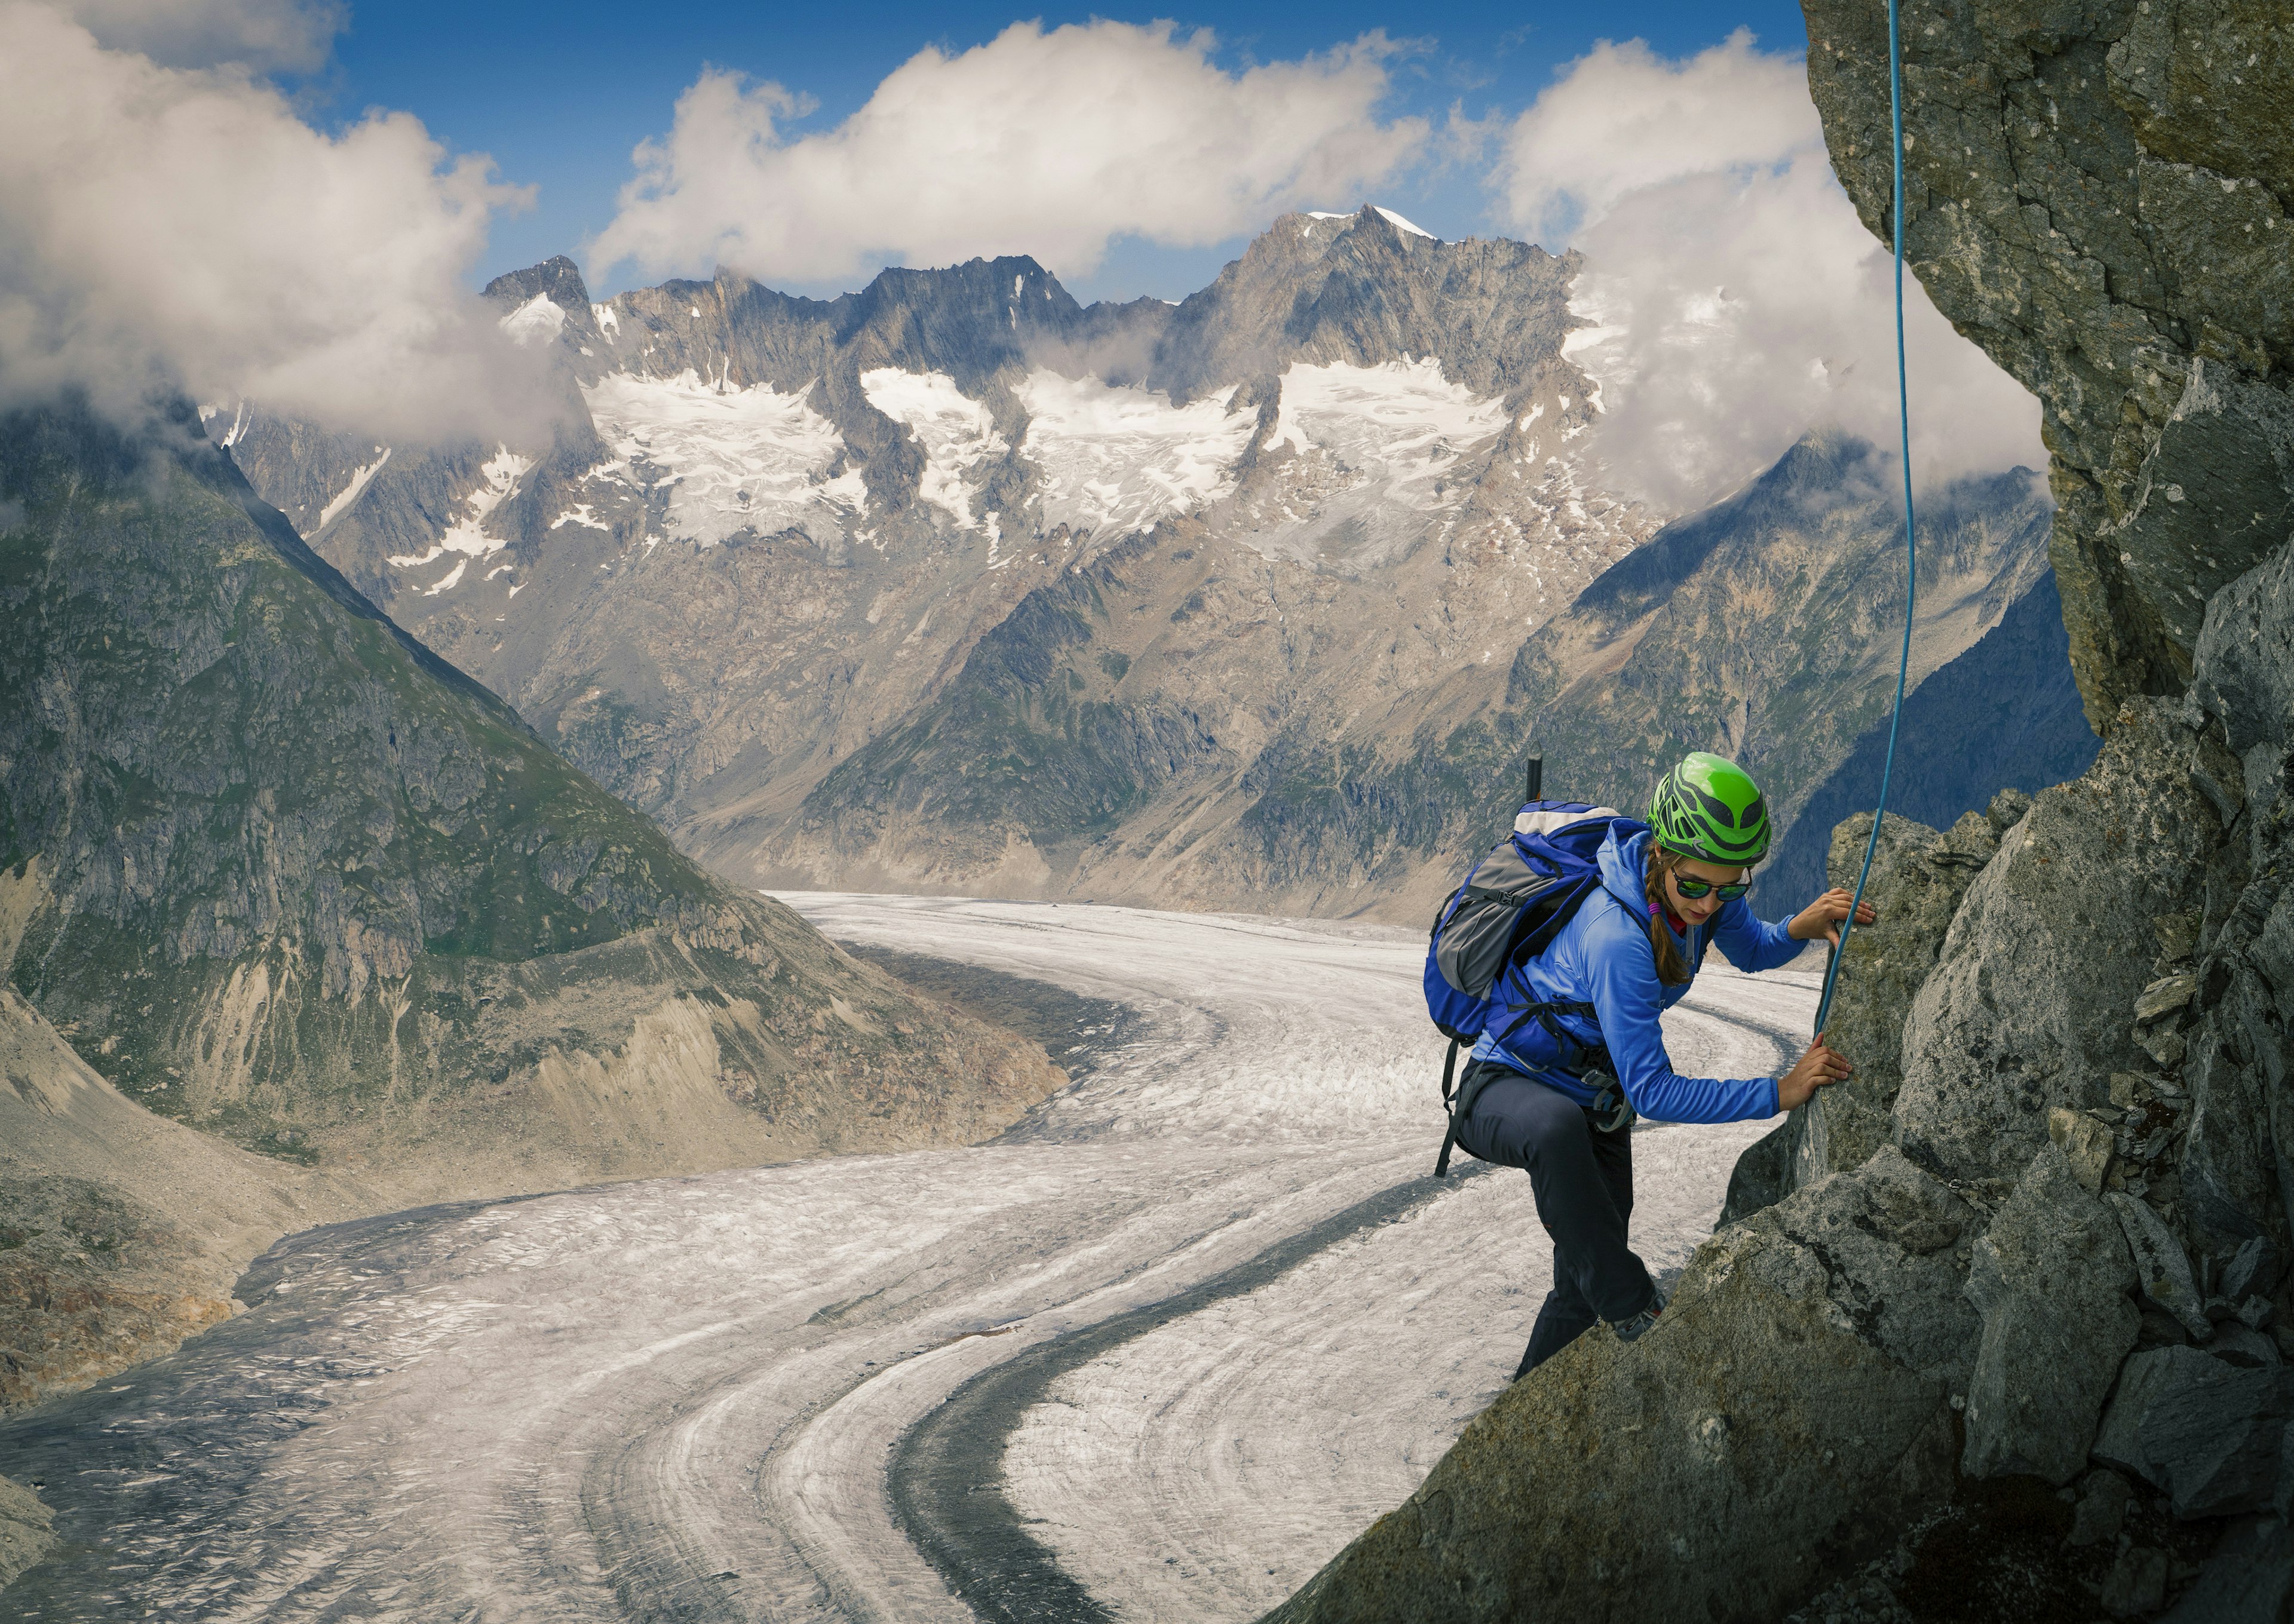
point(2098, 195)
point(2042, 1237)
point(277, 872)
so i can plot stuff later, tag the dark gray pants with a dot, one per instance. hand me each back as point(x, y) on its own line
point(1583, 1182)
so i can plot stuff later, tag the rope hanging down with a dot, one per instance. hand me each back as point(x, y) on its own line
point(1911, 546)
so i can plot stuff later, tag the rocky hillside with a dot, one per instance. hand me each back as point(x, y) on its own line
point(955, 585)
point(1097, 728)
point(2008, 1315)
point(277, 872)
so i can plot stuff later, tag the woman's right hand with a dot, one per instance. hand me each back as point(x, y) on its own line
point(1818, 1068)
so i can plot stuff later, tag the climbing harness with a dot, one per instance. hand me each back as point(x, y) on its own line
point(1911, 545)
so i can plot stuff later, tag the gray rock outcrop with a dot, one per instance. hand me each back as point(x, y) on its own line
point(26, 1530)
point(2098, 196)
point(2029, 1006)
point(2051, 1276)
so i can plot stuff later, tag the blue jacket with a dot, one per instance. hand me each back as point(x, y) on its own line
point(1603, 957)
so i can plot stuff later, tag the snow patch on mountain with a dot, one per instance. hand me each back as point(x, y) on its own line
point(468, 533)
point(1597, 348)
point(536, 321)
point(1401, 425)
point(731, 460)
point(359, 478)
point(1117, 459)
point(1404, 226)
point(955, 431)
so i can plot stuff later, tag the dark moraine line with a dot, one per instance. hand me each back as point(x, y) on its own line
point(947, 1475)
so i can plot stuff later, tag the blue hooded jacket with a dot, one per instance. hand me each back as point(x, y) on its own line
point(1603, 957)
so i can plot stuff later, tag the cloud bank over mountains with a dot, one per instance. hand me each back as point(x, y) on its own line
point(1739, 297)
point(1044, 143)
point(170, 219)
point(167, 227)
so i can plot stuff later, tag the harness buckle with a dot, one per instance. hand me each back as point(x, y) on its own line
point(1610, 1110)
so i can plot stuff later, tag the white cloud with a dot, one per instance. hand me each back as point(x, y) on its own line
point(1744, 303)
point(181, 228)
point(293, 34)
point(1044, 143)
point(1624, 118)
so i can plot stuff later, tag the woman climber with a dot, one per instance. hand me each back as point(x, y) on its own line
point(1572, 1052)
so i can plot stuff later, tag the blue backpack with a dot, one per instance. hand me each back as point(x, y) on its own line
point(1514, 902)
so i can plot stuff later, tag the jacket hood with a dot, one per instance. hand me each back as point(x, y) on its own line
point(1624, 865)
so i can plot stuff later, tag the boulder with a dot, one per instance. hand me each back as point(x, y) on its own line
point(2136, 1583)
point(2027, 1007)
point(2162, 1269)
point(2051, 1276)
point(2213, 1432)
point(2255, 1269)
point(2119, 1440)
point(2249, 1578)
point(2208, 1431)
point(1786, 1415)
point(2243, 1344)
point(26, 1530)
point(1918, 876)
point(2086, 1143)
point(2103, 1500)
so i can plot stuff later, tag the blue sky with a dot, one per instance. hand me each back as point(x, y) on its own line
point(559, 94)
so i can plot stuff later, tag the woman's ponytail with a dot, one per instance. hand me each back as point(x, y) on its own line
point(1671, 969)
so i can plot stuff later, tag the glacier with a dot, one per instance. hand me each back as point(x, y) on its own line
point(688, 1397)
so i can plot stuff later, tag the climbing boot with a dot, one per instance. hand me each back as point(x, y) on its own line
point(1629, 1330)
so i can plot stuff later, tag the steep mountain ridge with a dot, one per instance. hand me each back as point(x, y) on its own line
point(277, 872)
point(1097, 733)
point(2003, 715)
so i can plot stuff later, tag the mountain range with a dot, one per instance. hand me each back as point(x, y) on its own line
point(1251, 601)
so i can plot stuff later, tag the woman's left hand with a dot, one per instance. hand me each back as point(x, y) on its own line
point(1820, 919)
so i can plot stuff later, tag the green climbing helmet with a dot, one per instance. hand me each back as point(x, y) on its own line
point(1710, 809)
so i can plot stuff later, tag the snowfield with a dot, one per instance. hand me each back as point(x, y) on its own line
point(1401, 425)
point(958, 432)
point(1117, 460)
point(733, 459)
point(466, 535)
point(1252, 1324)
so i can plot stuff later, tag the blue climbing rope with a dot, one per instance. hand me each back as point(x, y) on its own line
point(1911, 546)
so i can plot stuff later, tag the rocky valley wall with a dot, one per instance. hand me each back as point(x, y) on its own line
point(277, 873)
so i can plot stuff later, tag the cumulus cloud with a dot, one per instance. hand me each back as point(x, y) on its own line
point(295, 35)
point(169, 227)
point(1739, 300)
point(1045, 143)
